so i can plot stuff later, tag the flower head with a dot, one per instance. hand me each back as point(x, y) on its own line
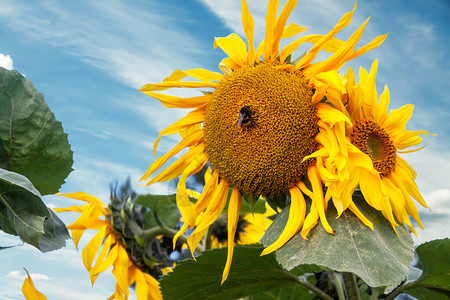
point(108, 249)
point(259, 124)
point(389, 185)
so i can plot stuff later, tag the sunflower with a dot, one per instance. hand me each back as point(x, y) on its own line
point(379, 137)
point(257, 122)
point(107, 246)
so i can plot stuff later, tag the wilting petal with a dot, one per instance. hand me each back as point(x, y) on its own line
point(297, 212)
point(233, 216)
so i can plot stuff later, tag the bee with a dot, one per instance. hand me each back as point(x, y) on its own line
point(247, 117)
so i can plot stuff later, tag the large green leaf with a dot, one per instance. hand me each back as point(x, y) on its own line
point(23, 213)
point(435, 280)
point(290, 292)
point(249, 274)
point(32, 142)
point(379, 257)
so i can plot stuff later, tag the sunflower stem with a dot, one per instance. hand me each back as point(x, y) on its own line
point(169, 232)
point(351, 286)
point(375, 294)
point(336, 279)
point(321, 294)
point(400, 290)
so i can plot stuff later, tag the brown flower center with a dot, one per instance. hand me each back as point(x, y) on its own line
point(259, 126)
point(373, 140)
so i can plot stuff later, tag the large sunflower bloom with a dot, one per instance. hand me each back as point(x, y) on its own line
point(258, 123)
point(106, 247)
point(375, 137)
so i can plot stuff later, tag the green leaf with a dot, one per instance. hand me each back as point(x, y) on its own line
point(249, 274)
point(435, 280)
point(32, 142)
point(23, 213)
point(55, 234)
point(251, 201)
point(164, 206)
point(259, 207)
point(379, 257)
point(286, 292)
point(278, 201)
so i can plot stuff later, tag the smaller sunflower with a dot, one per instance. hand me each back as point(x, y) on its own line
point(107, 246)
point(375, 138)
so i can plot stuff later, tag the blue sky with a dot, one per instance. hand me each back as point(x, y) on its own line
point(88, 58)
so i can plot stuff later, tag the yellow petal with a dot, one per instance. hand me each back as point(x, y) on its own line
point(207, 193)
point(153, 287)
point(380, 111)
point(213, 211)
point(360, 216)
point(176, 84)
point(311, 220)
point(76, 236)
point(249, 29)
point(331, 115)
point(297, 212)
point(375, 43)
point(271, 16)
point(234, 46)
point(227, 65)
point(281, 23)
point(105, 263)
point(178, 102)
point(91, 249)
point(318, 199)
point(397, 118)
point(178, 166)
point(190, 140)
point(338, 59)
point(203, 75)
point(234, 207)
point(120, 270)
point(411, 209)
point(106, 248)
point(260, 50)
point(74, 208)
point(185, 205)
point(87, 198)
point(194, 117)
point(343, 22)
point(179, 233)
point(292, 30)
point(414, 141)
point(407, 173)
point(141, 285)
point(29, 290)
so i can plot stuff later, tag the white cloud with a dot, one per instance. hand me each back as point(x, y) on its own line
point(6, 62)
point(22, 275)
point(93, 176)
point(133, 45)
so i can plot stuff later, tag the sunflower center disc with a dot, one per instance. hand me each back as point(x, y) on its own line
point(259, 126)
point(373, 140)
